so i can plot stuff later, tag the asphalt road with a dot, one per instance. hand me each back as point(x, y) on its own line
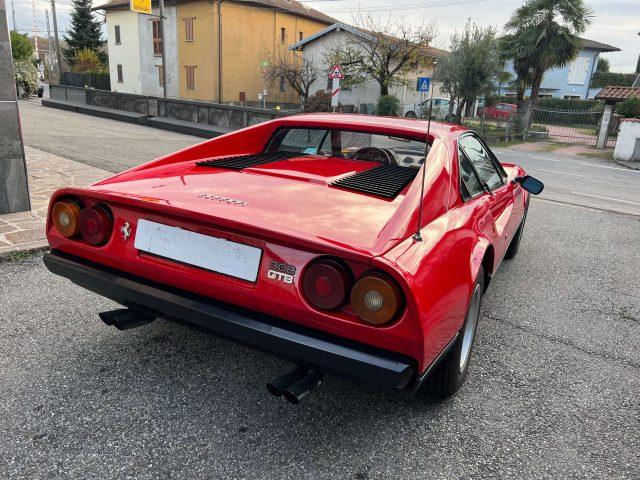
point(553, 390)
point(99, 142)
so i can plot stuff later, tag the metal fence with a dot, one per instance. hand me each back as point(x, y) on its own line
point(91, 80)
point(574, 127)
point(227, 117)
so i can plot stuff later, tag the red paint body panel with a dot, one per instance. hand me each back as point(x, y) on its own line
point(295, 217)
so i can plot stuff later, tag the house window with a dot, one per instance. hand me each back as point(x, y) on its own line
point(157, 39)
point(572, 97)
point(191, 77)
point(188, 29)
point(283, 83)
point(578, 71)
point(117, 30)
point(119, 69)
point(160, 75)
point(300, 36)
point(283, 35)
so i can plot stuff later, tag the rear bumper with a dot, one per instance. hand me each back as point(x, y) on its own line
point(301, 345)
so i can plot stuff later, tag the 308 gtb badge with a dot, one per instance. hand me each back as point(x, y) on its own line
point(281, 272)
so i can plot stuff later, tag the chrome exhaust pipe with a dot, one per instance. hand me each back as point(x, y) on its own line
point(278, 385)
point(125, 318)
point(296, 392)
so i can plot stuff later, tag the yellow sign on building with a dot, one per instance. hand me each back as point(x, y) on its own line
point(140, 6)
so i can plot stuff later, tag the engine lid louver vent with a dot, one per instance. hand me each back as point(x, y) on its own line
point(385, 181)
point(246, 161)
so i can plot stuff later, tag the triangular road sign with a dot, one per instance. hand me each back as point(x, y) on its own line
point(336, 72)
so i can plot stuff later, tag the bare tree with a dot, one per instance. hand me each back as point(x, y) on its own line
point(383, 51)
point(297, 71)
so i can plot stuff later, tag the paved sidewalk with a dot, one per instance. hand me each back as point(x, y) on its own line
point(47, 172)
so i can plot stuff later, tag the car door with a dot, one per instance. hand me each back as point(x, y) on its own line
point(500, 193)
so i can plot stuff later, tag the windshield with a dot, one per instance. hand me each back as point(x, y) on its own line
point(403, 151)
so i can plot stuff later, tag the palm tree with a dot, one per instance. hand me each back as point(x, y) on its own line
point(543, 34)
point(502, 78)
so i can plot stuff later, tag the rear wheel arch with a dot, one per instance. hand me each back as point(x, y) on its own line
point(487, 264)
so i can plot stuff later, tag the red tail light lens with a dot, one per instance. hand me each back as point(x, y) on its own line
point(376, 298)
point(66, 218)
point(96, 225)
point(326, 284)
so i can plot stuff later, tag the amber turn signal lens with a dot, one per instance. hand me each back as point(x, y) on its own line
point(66, 218)
point(95, 225)
point(376, 299)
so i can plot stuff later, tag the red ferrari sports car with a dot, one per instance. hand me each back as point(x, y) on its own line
point(325, 239)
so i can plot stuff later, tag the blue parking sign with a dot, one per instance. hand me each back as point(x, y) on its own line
point(423, 84)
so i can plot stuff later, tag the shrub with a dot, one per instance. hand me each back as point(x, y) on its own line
point(629, 108)
point(26, 77)
point(389, 106)
point(605, 79)
point(21, 48)
point(569, 104)
point(320, 102)
point(87, 60)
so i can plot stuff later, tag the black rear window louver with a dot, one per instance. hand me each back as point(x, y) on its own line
point(385, 181)
point(246, 161)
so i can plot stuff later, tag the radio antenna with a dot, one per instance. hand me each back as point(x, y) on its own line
point(417, 237)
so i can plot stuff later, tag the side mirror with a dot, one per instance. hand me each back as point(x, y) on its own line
point(530, 184)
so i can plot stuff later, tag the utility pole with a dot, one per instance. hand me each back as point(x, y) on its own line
point(164, 58)
point(49, 55)
point(57, 42)
point(13, 15)
point(220, 97)
point(14, 190)
point(34, 27)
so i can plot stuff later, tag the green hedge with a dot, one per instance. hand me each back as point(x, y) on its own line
point(569, 104)
point(605, 79)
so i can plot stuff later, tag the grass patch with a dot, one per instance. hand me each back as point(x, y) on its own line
point(605, 154)
point(19, 256)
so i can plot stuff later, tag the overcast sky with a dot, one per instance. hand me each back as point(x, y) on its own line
point(616, 22)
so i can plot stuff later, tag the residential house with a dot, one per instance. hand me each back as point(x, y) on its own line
point(222, 45)
point(214, 48)
point(573, 80)
point(364, 96)
point(135, 48)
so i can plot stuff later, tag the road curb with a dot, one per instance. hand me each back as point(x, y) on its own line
point(15, 254)
point(626, 165)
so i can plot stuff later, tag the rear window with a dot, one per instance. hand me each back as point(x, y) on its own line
point(403, 151)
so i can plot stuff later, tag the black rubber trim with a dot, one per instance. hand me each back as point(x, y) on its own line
point(301, 345)
point(385, 181)
point(246, 161)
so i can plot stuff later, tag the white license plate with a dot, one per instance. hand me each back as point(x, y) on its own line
point(215, 254)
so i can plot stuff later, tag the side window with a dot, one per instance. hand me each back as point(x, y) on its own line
point(470, 184)
point(482, 161)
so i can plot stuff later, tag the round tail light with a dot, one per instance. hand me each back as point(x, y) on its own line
point(96, 225)
point(326, 284)
point(66, 218)
point(376, 298)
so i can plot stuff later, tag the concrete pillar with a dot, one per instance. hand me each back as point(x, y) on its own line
point(14, 191)
point(603, 133)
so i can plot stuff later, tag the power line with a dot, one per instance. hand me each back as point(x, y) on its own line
point(405, 6)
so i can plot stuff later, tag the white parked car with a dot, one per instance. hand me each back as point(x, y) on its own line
point(440, 109)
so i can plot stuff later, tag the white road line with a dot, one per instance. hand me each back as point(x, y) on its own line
point(606, 198)
point(610, 168)
point(544, 158)
point(560, 173)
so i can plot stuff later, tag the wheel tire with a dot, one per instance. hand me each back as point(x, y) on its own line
point(451, 372)
point(411, 115)
point(514, 246)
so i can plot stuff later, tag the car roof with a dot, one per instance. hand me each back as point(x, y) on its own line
point(398, 125)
